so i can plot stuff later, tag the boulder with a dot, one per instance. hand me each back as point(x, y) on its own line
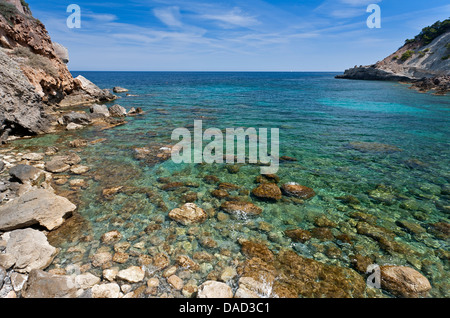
point(86, 280)
point(268, 191)
point(111, 237)
point(100, 109)
point(2, 165)
point(404, 281)
point(29, 249)
point(44, 285)
point(133, 274)
point(38, 206)
point(2, 276)
point(26, 173)
point(76, 118)
point(119, 90)
point(117, 111)
point(188, 214)
point(213, 289)
point(298, 191)
point(111, 290)
point(241, 208)
point(62, 163)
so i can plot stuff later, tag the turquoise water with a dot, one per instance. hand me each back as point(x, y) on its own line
point(319, 118)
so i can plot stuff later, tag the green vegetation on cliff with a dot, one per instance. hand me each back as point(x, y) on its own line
point(429, 33)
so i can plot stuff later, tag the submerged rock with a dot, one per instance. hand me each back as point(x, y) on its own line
point(373, 147)
point(298, 191)
point(188, 214)
point(268, 191)
point(214, 289)
point(298, 235)
point(404, 281)
point(241, 208)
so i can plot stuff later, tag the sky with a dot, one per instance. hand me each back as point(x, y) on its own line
point(233, 35)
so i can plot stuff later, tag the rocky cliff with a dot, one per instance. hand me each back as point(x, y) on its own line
point(34, 78)
point(426, 58)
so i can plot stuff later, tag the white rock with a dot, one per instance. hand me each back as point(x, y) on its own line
point(86, 280)
point(133, 274)
point(213, 289)
point(111, 290)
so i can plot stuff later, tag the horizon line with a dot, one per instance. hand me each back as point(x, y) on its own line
point(211, 71)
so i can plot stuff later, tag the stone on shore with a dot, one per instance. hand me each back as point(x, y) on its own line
point(29, 249)
point(111, 290)
point(404, 281)
point(44, 285)
point(100, 109)
point(298, 191)
point(241, 208)
point(81, 118)
point(38, 206)
point(117, 111)
point(73, 126)
point(111, 237)
point(26, 173)
point(133, 274)
point(188, 214)
point(62, 163)
point(87, 280)
point(214, 289)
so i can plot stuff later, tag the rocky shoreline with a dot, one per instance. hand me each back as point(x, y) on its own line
point(163, 271)
point(423, 64)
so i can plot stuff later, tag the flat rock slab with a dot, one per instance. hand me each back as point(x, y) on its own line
point(35, 207)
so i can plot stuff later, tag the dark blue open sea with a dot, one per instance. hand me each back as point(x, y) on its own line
point(374, 152)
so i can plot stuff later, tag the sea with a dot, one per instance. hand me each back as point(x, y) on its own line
point(372, 151)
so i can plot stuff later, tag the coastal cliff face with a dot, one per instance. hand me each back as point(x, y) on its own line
point(422, 59)
point(34, 75)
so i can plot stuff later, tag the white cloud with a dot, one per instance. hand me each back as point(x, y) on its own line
point(234, 18)
point(170, 16)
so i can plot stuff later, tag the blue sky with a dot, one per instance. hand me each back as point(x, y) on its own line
point(234, 35)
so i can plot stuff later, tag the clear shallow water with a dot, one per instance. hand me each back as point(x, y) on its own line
point(318, 117)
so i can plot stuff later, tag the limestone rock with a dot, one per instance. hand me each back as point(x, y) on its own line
point(267, 191)
point(111, 290)
point(241, 208)
point(117, 111)
point(100, 109)
point(35, 207)
point(26, 173)
point(188, 214)
point(86, 280)
point(111, 237)
point(30, 250)
point(298, 191)
point(44, 285)
point(118, 90)
point(133, 274)
point(214, 289)
point(404, 281)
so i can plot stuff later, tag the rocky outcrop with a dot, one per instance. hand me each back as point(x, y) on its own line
point(404, 281)
point(34, 75)
point(422, 60)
